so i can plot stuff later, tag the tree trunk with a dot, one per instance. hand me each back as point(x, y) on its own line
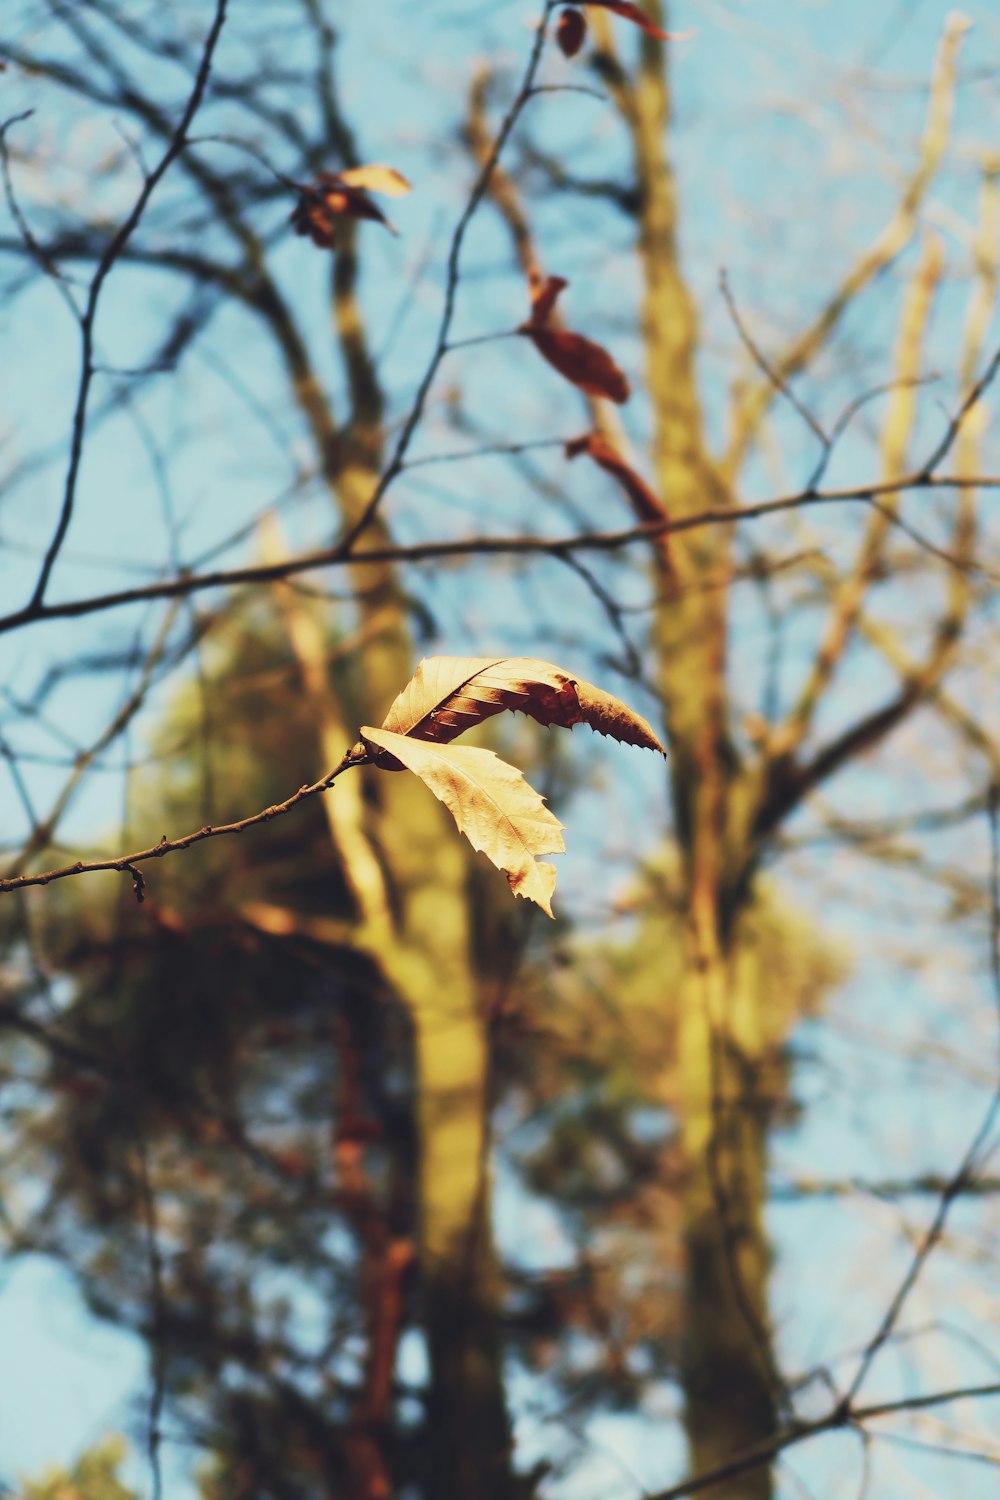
point(468, 1433)
point(409, 876)
point(469, 1443)
point(727, 1364)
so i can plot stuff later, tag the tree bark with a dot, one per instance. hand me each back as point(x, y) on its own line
point(727, 1365)
point(409, 877)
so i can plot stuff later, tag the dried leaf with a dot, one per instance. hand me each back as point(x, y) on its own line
point(343, 194)
point(493, 805)
point(376, 178)
point(647, 505)
point(433, 705)
point(630, 12)
point(448, 694)
point(580, 361)
point(543, 299)
point(311, 216)
point(571, 32)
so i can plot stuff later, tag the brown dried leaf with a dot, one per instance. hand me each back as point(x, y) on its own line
point(376, 178)
point(571, 32)
point(312, 216)
point(342, 194)
point(448, 694)
point(630, 12)
point(445, 696)
point(543, 299)
point(493, 805)
point(580, 361)
point(647, 505)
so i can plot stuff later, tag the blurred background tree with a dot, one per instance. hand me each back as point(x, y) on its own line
point(379, 1170)
point(94, 1477)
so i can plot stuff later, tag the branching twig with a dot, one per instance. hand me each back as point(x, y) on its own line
point(482, 182)
point(766, 368)
point(887, 245)
point(947, 442)
point(930, 1183)
point(126, 862)
point(841, 1416)
point(88, 317)
point(592, 541)
point(967, 1167)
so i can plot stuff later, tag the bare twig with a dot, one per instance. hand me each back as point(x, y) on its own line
point(37, 252)
point(482, 182)
point(88, 317)
point(841, 1416)
point(944, 447)
point(930, 1183)
point(44, 830)
point(171, 846)
point(593, 541)
point(967, 1167)
point(884, 249)
point(763, 364)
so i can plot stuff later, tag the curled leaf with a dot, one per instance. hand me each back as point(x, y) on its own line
point(376, 178)
point(493, 805)
point(448, 694)
point(314, 217)
point(344, 194)
point(647, 505)
point(571, 31)
point(580, 361)
point(630, 12)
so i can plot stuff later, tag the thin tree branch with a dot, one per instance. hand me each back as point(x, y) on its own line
point(931, 1183)
point(967, 1166)
point(888, 244)
point(840, 1417)
point(955, 425)
point(594, 541)
point(88, 317)
point(124, 862)
point(764, 365)
point(850, 592)
point(480, 187)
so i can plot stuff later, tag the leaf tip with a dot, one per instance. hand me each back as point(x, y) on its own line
point(536, 884)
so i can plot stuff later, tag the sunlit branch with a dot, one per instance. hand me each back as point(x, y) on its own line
point(888, 244)
point(125, 862)
point(485, 546)
point(892, 1188)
